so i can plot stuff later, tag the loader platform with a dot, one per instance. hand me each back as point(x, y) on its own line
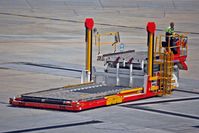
point(73, 93)
point(79, 97)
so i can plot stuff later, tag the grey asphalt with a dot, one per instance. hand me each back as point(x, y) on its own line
point(42, 46)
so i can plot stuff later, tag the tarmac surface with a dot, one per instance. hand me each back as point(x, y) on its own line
point(42, 46)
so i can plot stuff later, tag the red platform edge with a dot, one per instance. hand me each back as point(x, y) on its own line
point(78, 105)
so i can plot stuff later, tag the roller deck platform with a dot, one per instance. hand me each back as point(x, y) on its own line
point(76, 93)
point(79, 97)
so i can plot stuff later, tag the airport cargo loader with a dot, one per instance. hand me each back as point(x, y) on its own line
point(128, 75)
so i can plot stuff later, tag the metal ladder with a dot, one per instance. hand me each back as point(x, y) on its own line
point(165, 63)
point(166, 74)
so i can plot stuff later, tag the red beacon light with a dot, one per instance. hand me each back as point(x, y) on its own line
point(89, 23)
point(151, 27)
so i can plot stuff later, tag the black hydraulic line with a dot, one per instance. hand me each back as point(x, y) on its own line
point(91, 61)
point(153, 54)
point(86, 34)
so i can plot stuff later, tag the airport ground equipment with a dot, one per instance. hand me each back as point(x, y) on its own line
point(128, 76)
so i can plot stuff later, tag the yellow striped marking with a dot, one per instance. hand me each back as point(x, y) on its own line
point(154, 88)
point(113, 99)
point(131, 90)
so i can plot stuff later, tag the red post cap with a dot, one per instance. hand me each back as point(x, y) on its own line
point(151, 27)
point(89, 23)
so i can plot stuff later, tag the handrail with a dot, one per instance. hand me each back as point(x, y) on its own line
point(98, 41)
point(181, 41)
